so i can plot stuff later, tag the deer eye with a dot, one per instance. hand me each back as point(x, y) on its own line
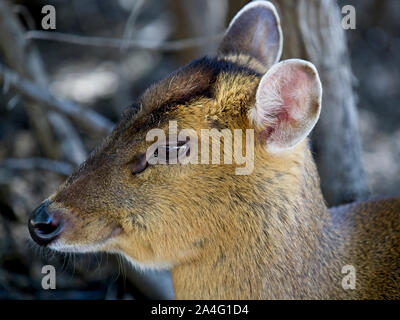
point(162, 155)
point(166, 154)
point(169, 153)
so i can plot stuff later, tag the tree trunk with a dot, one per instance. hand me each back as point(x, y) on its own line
point(312, 31)
point(195, 18)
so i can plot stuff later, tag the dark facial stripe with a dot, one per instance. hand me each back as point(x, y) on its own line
point(191, 82)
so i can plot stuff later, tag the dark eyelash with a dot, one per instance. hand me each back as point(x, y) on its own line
point(179, 145)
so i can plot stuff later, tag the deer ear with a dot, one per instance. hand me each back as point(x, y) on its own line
point(288, 104)
point(255, 31)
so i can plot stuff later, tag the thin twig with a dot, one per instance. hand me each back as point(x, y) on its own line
point(129, 26)
point(36, 163)
point(56, 140)
point(126, 43)
point(70, 145)
point(24, 12)
point(25, 61)
point(87, 118)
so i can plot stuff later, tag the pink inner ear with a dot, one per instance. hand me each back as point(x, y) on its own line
point(285, 101)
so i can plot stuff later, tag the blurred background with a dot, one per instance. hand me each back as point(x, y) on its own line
point(62, 90)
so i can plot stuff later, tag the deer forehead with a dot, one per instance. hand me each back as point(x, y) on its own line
point(222, 81)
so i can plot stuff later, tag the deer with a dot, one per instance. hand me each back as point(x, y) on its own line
point(263, 235)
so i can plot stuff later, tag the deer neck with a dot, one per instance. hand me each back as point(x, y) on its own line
point(271, 253)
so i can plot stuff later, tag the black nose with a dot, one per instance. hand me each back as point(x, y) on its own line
point(42, 226)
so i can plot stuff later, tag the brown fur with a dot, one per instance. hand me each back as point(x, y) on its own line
point(267, 235)
point(262, 236)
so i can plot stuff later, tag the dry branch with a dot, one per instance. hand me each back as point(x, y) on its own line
point(27, 62)
point(125, 43)
point(36, 163)
point(87, 118)
point(130, 23)
point(70, 144)
point(13, 47)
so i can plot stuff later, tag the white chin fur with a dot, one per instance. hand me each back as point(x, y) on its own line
point(145, 265)
point(61, 246)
